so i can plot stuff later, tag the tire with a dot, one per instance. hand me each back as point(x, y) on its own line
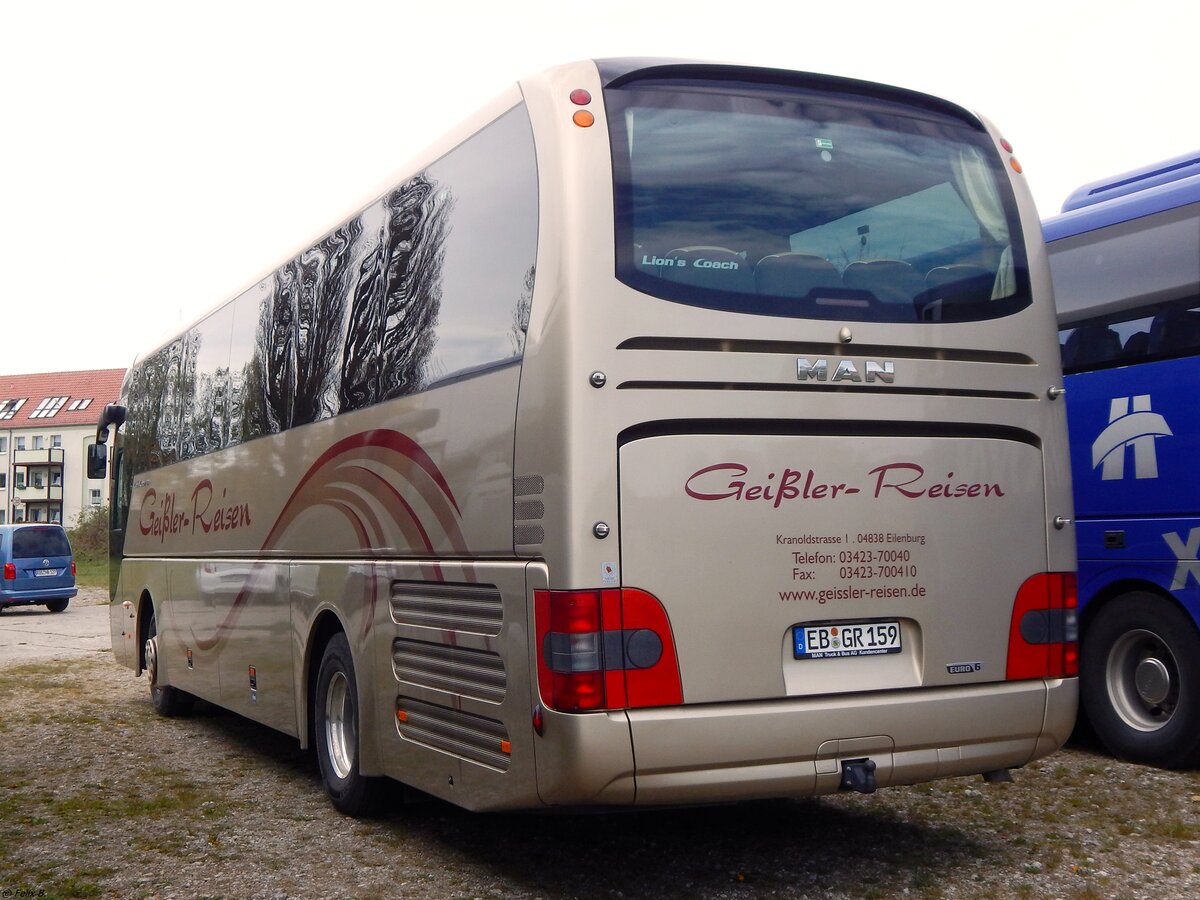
point(57, 605)
point(1140, 681)
point(336, 721)
point(167, 701)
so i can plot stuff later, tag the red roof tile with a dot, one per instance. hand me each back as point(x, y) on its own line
point(100, 386)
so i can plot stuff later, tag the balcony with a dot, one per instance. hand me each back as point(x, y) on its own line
point(52, 456)
point(33, 493)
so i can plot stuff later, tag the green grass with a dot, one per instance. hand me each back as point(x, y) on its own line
point(91, 571)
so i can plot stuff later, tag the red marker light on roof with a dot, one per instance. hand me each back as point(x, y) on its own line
point(1008, 148)
point(580, 97)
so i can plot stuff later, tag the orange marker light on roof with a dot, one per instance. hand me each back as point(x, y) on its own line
point(1016, 166)
point(583, 118)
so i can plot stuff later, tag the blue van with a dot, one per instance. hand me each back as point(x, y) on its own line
point(38, 566)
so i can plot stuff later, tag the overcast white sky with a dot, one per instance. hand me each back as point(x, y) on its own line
point(157, 158)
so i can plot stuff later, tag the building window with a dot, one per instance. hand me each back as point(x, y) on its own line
point(39, 442)
point(48, 407)
point(56, 515)
point(3, 445)
point(2, 517)
point(8, 408)
point(94, 497)
point(80, 404)
point(56, 478)
point(56, 441)
point(3, 480)
point(20, 444)
point(19, 480)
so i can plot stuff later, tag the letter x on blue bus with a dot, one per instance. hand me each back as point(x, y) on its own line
point(1125, 259)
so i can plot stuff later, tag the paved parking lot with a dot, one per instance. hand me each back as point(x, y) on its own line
point(33, 633)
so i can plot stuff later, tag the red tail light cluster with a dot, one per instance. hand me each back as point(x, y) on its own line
point(10, 572)
point(72, 568)
point(605, 649)
point(1044, 633)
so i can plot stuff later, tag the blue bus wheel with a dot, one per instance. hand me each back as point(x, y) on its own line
point(1140, 680)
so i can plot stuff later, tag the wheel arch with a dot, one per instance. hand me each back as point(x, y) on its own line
point(322, 630)
point(1118, 589)
point(145, 610)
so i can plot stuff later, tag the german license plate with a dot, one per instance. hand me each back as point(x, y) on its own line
point(42, 573)
point(836, 640)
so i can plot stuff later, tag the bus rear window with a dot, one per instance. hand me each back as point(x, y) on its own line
point(773, 200)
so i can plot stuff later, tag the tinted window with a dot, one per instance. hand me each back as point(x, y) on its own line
point(430, 283)
point(1164, 333)
point(791, 202)
point(32, 542)
point(1140, 263)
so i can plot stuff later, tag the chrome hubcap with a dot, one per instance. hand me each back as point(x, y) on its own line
point(1142, 678)
point(1153, 681)
point(152, 660)
point(340, 725)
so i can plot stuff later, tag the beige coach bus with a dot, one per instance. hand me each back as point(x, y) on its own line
point(669, 433)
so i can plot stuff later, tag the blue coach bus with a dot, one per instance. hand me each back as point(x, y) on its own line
point(1125, 258)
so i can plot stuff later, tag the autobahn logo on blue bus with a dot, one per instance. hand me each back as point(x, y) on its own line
point(1131, 425)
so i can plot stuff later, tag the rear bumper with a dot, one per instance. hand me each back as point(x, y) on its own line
point(34, 597)
point(727, 752)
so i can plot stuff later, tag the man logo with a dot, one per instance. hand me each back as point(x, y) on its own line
point(1136, 428)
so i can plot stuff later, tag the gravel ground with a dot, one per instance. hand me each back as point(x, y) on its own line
point(99, 797)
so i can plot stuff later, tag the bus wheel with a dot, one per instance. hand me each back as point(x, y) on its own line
point(167, 701)
point(1140, 681)
point(335, 713)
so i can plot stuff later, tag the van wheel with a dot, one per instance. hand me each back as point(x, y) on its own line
point(57, 605)
point(1140, 681)
point(167, 701)
point(335, 714)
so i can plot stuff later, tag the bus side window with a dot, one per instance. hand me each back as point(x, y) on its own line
point(1175, 331)
point(1137, 346)
point(1091, 345)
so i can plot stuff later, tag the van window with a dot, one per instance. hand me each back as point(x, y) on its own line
point(31, 542)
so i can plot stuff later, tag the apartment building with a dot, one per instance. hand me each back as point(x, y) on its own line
point(46, 424)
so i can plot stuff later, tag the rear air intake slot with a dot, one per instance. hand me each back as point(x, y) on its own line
point(717, 345)
point(528, 511)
